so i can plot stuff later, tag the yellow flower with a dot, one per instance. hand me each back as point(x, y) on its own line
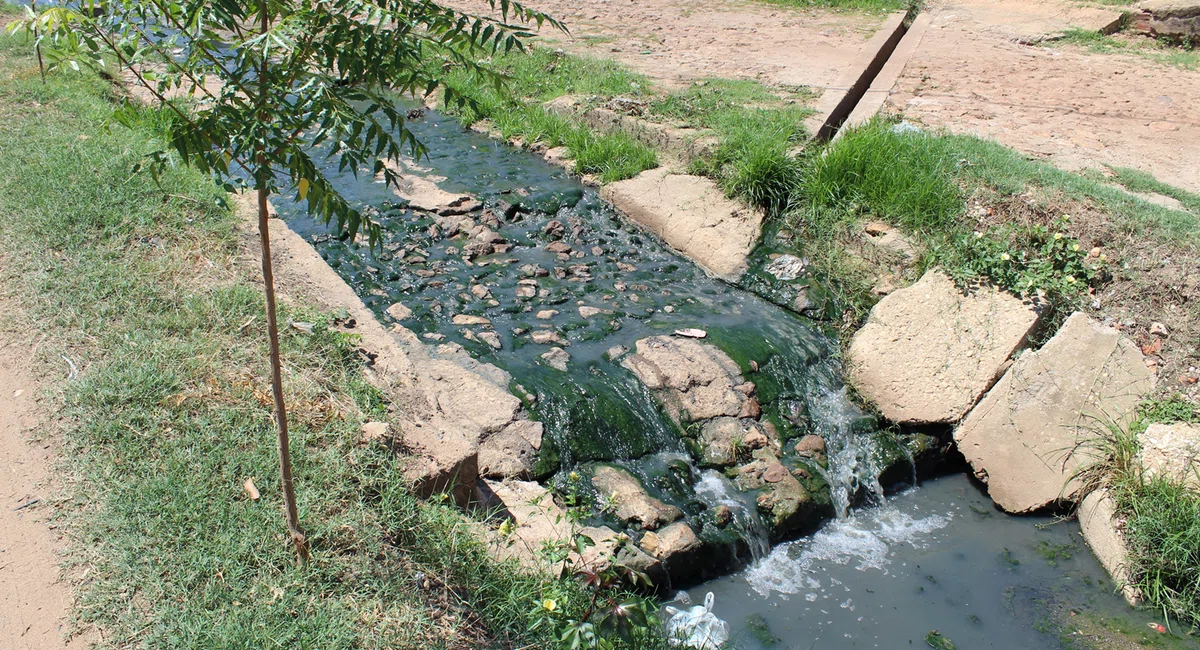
point(1075, 247)
point(1004, 256)
point(1070, 278)
point(1057, 235)
point(574, 476)
point(1103, 257)
point(549, 605)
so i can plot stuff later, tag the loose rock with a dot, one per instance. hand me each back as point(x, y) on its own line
point(470, 319)
point(631, 502)
point(693, 380)
point(672, 542)
point(1019, 437)
point(1172, 451)
point(511, 452)
point(928, 352)
point(557, 358)
point(399, 311)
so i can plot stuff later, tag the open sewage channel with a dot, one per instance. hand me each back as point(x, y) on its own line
point(859, 570)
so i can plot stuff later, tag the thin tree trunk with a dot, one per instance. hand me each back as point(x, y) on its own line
point(281, 422)
point(38, 47)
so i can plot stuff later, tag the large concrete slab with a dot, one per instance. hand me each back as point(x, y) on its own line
point(929, 351)
point(1024, 437)
point(692, 215)
point(1172, 452)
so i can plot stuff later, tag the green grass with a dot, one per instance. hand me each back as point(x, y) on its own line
point(1162, 528)
point(1155, 50)
point(142, 286)
point(1139, 181)
point(543, 74)
point(1162, 519)
point(920, 181)
point(755, 128)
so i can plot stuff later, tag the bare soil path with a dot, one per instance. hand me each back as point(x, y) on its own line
point(973, 74)
point(675, 42)
point(34, 601)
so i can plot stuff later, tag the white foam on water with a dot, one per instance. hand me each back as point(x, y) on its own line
point(864, 540)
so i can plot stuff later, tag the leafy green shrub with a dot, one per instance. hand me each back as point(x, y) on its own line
point(594, 611)
point(1029, 260)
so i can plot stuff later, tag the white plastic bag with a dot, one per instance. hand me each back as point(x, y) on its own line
point(698, 627)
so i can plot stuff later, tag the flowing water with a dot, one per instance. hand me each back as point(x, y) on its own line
point(939, 556)
point(597, 410)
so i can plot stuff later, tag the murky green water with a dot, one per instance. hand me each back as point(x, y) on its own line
point(937, 557)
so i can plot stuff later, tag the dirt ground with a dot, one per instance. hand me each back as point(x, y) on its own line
point(972, 74)
point(675, 41)
point(34, 601)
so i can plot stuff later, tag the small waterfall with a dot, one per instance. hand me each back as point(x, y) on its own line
point(600, 416)
point(716, 490)
point(854, 457)
point(821, 403)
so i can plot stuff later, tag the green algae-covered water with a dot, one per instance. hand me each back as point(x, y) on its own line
point(603, 284)
point(880, 574)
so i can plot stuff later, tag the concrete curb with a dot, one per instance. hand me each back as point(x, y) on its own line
point(839, 101)
point(881, 88)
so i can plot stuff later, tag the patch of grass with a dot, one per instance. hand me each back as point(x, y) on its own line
point(543, 74)
point(1162, 519)
point(1168, 410)
point(1139, 181)
point(1162, 528)
point(709, 102)
point(904, 178)
point(756, 130)
point(140, 284)
point(1159, 51)
point(921, 181)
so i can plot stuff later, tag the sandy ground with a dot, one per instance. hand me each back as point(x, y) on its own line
point(677, 41)
point(34, 602)
point(1078, 110)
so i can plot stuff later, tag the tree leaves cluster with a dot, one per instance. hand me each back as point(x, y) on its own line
point(264, 94)
point(262, 90)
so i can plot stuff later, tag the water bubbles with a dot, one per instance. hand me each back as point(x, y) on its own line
point(864, 540)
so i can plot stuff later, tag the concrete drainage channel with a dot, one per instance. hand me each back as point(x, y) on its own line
point(861, 90)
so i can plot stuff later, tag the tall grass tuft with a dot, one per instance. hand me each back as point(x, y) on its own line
point(906, 178)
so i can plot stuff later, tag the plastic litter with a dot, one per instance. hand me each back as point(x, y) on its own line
point(697, 628)
point(906, 127)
